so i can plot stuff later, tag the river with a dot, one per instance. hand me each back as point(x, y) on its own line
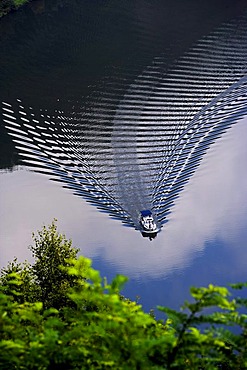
point(128, 105)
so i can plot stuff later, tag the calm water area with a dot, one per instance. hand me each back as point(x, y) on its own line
point(101, 67)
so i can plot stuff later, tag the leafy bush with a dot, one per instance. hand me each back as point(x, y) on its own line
point(44, 281)
point(19, 3)
point(7, 5)
point(94, 327)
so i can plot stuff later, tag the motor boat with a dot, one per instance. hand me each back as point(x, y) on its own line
point(148, 225)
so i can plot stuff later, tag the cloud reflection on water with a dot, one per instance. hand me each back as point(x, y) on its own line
point(213, 205)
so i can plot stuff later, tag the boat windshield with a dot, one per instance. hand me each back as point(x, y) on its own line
point(148, 223)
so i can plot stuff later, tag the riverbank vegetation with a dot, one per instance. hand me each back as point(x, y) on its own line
point(59, 313)
point(8, 5)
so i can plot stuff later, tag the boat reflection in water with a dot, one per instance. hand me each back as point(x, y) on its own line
point(140, 158)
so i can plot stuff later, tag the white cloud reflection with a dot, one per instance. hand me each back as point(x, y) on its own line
point(213, 205)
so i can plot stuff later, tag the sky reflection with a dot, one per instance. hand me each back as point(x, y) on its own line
point(212, 208)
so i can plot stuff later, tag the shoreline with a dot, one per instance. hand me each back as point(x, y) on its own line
point(7, 6)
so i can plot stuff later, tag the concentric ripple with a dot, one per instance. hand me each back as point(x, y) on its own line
point(140, 155)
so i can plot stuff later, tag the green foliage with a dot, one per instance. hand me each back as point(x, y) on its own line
point(207, 341)
point(50, 251)
point(19, 3)
point(44, 281)
point(59, 313)
point(17, 280)
point(7, 5)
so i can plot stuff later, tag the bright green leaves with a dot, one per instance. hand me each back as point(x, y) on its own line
point(239, 285)
point(203, 330)
point(59, 313)
point(212, 296)
point(117, 284)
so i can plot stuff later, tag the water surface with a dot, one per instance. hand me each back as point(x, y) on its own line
point(124, 85)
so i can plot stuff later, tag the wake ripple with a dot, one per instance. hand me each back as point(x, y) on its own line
point(140, 155)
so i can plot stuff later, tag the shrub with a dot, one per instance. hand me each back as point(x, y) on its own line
point(70, 317)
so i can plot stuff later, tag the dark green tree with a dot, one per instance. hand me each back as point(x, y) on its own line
point(46, 280)
point(7, 6)
point(51, 251)
point(26, 290)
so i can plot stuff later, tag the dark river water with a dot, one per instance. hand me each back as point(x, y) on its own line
point(109, 108)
